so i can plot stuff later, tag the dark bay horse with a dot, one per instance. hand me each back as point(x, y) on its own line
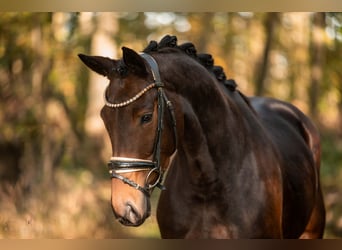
point(237, 167)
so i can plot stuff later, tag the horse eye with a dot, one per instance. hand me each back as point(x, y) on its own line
point(146, 118)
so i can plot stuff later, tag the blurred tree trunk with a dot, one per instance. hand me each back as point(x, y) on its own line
point(40, 69)
point(204, 32)
point(338, 71)
point(102, 44)
point(340, 104)
point(261, 69)
point(317, 55)
point(337, 67)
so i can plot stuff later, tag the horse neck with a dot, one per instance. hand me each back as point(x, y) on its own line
point(213, 126)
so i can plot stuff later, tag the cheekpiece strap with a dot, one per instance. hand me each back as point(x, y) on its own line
point(155, 69)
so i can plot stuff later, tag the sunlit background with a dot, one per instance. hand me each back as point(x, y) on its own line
point(53, 147)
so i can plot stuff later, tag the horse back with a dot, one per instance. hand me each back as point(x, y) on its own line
point(298, 143)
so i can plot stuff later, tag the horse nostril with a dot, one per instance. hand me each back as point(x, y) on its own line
point(132, 215)
point(129, 215)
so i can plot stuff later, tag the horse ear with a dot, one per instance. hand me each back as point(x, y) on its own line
point(101, 65)
point(134, 62)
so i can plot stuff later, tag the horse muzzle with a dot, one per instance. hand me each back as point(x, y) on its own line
point(131, 216)
point(131, 209)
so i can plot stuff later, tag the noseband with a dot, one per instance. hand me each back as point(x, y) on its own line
point(121, 165)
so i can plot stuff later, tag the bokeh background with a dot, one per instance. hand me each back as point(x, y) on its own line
point(53, 147)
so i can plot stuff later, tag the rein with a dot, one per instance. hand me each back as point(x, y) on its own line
point(121, 165)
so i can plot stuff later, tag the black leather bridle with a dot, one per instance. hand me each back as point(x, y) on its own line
point(121, 165)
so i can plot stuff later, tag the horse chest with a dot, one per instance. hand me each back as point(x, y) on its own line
point(202, 221)
point(202, 229)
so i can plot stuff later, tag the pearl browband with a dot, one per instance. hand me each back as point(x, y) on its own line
point(129, 101)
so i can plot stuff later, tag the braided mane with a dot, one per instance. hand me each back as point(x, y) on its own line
point(189, 48)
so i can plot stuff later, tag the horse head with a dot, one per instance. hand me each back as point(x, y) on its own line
point(142, 137)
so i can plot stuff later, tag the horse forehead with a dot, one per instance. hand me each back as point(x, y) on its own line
point(122, 85)
point(120, 90)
